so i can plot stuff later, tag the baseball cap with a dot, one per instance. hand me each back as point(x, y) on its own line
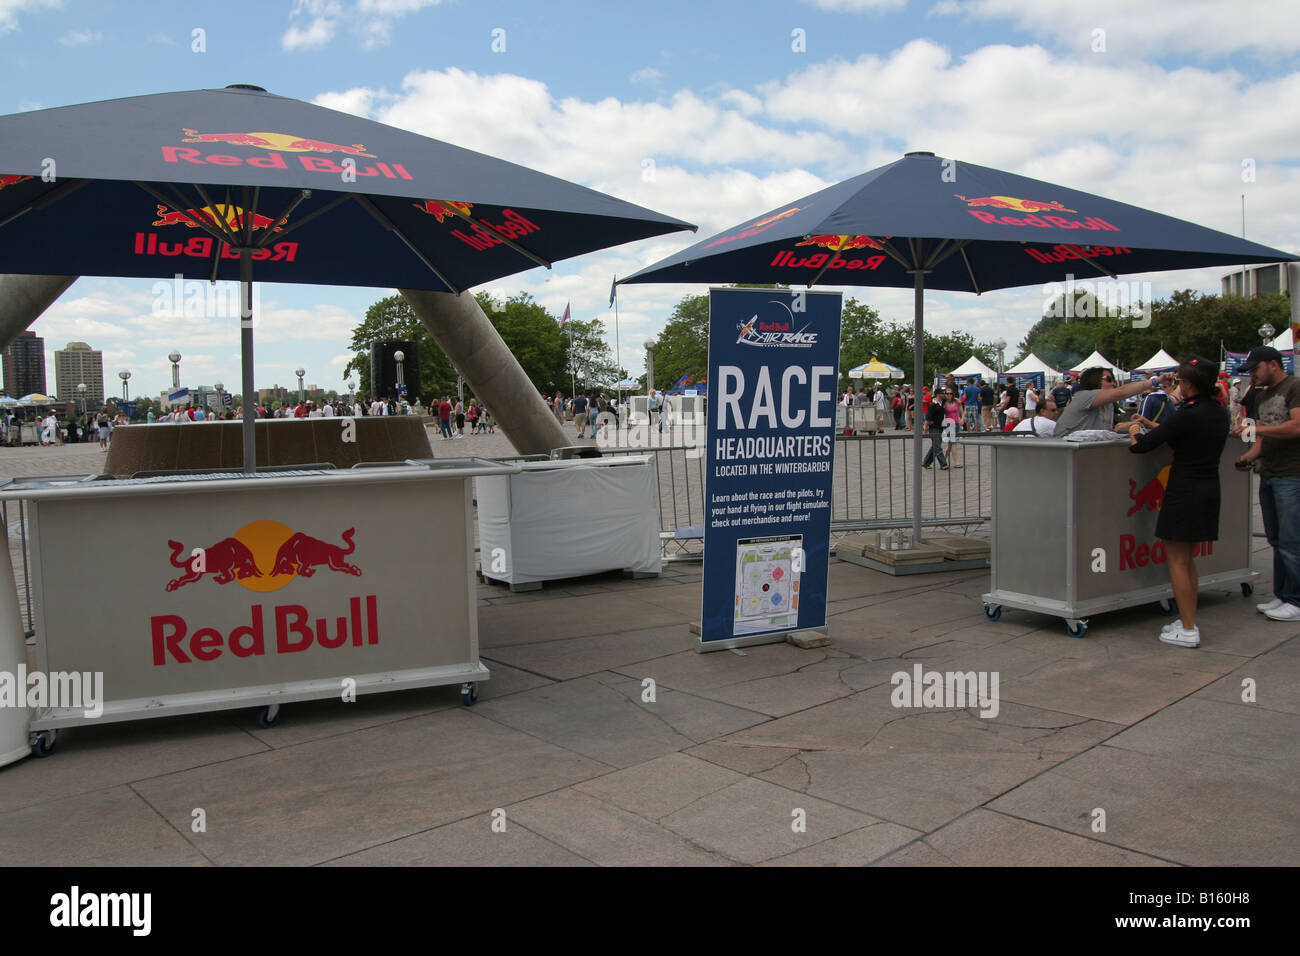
point(1264, 353)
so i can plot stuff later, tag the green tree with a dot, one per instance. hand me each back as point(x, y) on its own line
point(393, 319)
point(590, 356)
point(683, 345)
point(535, 338)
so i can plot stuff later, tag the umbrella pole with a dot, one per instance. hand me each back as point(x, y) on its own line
point(918, 371)
point(246, 359)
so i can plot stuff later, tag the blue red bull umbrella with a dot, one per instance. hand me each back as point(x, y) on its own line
point(208, 184)
point(924, 221)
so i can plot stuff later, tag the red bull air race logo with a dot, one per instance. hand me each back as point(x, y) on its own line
point(779, 333)
point(1149, 497)
point(263, 556)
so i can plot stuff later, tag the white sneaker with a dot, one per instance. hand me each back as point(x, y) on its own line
point(1287, 612)
point(1176, 622)
point(1182, 637)
point(1270, 606)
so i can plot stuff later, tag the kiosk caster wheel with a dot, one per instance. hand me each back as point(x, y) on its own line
point(43, 745)
point(992, 611)
point(1166, 606)
point(1076, 628)
point(268, 716)
point(469, 694)
point(1247, 589)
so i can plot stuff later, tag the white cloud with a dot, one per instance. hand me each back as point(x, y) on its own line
point(1144, 29)
point(9, 10)
point(647, 75)
point(80, 38)
point(371, 20)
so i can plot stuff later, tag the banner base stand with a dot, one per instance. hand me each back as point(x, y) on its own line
point(805, 638)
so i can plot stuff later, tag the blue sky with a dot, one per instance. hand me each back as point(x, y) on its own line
point(711, 112)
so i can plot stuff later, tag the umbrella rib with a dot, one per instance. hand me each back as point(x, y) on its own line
point(313, 214)
point(177, 205)
point(280, 220)
point(209, 214)
point(890, 251)
point(40, 202)
point(824, 268)
point(508, 242)
point(1092, 262)
point(387, 223)
point(970, 271)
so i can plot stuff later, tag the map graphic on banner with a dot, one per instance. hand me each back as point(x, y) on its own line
point(773, 374)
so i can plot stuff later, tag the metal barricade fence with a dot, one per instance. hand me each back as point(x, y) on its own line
point(872, 488)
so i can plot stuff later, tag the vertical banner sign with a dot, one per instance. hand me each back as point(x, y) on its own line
point(773, 374)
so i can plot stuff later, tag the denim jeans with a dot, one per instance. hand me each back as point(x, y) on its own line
point(1279, 504)
point(445, 425)
point(936, 449)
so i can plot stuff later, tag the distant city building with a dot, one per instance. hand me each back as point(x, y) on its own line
point(276, 393)
point(1270, 279)
point(24, 365)
point(79, 364)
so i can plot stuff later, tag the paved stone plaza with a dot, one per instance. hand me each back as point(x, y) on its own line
point(717, 769)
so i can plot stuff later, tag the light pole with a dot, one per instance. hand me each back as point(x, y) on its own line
point(81, 394)
point(175, 359)
point(125, 376)
point(1000, 345)
point(1266, 332)
point(221, 397)
point(352, 393)
point(400, 358)
point(300, 372)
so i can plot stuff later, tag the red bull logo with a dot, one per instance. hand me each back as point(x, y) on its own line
point(755, 228)
point(441, 209)
point(1149, 497)
point(14, 179)
point(277, 145)
point(485, 234)
point(232, 217)
point(263, 544)
point(264, 556)
point(785, 259)
point(1063, 252)
point(1030, 209)
point(841, 243)
point(204, 247)
point(280, 142)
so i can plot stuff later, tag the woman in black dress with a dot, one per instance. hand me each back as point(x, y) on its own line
point(1189, 513)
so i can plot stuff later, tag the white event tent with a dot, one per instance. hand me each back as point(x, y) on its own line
point(1162, 361)
point(973, 366)
point(1097, 359)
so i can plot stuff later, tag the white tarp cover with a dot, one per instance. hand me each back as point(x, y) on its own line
point(1285, 341)
point(973, 366)
point(563, 519)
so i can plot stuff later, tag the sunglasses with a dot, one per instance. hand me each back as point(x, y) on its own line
point(1107, 378)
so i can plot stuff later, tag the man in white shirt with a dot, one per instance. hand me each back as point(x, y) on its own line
point(1043, 424)
point(878, 400)
point(327, 410)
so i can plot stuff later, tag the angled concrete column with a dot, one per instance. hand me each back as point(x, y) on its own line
point(478, 353)
point(23, 298)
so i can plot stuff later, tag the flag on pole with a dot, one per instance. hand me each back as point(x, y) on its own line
point(612, 286)
point(564, 318)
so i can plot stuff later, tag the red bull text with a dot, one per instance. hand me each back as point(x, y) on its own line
point(512, 226)
point(294, 631)
point(1149, 498)
point(788, 260)
point(1030, 208)
point(278, 144)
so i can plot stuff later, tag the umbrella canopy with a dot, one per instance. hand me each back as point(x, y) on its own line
point(1162, 361)
point(150, 185)
point(876, 369)
point(925, 221)
point(1285, 341)
point(36, 398)
point(208, 183)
